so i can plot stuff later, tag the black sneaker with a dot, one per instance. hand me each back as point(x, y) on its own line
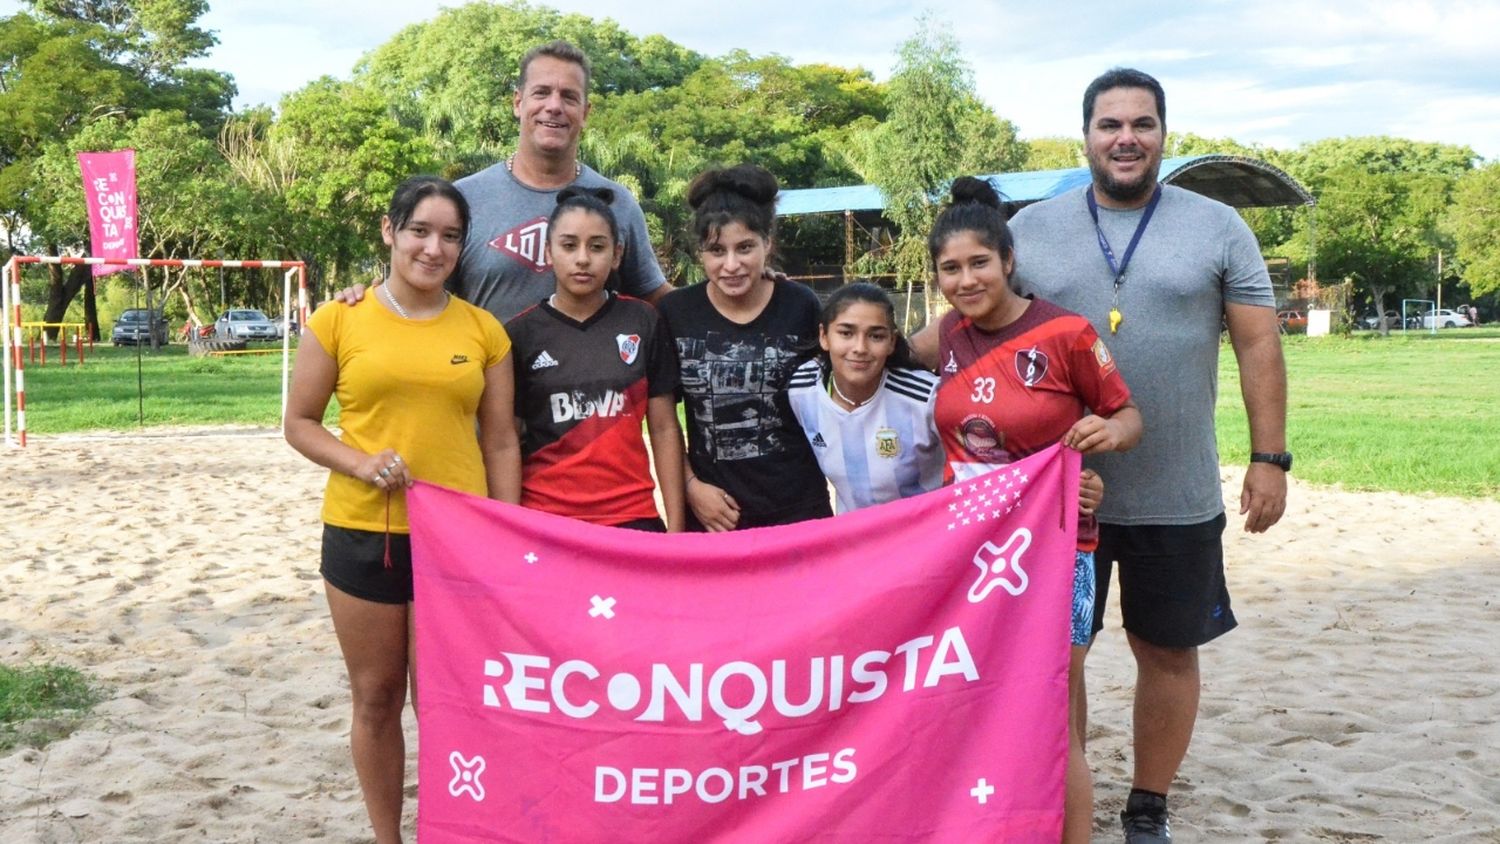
point(1145, 820)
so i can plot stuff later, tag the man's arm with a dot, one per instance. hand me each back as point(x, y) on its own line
point(924, 345)
point(659, 293)
point(1257, 348)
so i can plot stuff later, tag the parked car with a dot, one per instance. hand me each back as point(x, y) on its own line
point(1292, 321)
point(245, 324)
point(1392, 319)
point(138, 325)
point(1445, 318)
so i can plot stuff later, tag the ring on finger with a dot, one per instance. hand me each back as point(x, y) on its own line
point(396, 459)
point(385, 472)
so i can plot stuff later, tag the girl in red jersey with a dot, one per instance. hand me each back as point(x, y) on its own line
point(590, 366)
point(1017, 376)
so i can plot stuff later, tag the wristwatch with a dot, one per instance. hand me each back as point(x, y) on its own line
point(1280, 459)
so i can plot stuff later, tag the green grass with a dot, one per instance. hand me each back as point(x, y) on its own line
point(42, 703)
point(175, 389)
point(1407, 413)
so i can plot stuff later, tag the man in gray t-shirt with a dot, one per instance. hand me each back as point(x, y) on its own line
point(504, 268)
point(1159, 274)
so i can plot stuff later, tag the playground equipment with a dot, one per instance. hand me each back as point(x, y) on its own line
point(35, 334)
point(12, 328)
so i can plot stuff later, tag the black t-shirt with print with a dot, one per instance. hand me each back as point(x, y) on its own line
point(742, 435)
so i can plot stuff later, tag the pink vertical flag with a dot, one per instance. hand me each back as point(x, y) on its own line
point(894, 674)
point(109, 191)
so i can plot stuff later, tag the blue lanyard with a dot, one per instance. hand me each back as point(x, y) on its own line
point(1140, 229)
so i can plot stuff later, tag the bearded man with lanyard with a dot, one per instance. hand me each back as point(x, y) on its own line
point(1156, 269)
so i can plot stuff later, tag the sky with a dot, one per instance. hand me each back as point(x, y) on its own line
point(1275, 72)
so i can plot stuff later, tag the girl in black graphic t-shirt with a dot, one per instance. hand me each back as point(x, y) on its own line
point(738, 340)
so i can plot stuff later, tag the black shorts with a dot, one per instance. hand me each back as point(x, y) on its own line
point(354, 562)
point(653, 525)
point(1172, 589)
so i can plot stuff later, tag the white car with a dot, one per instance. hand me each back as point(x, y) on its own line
point(1445, 318)
point(245, 324)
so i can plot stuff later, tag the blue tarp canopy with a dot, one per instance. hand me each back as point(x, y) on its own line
point(1237, 181)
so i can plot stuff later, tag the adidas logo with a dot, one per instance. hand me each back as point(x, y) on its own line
point(543, 361)
point(818, 442)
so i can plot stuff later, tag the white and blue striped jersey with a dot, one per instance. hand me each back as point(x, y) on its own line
point(881, 451)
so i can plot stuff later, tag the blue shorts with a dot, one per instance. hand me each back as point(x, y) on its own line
point(1083, 598)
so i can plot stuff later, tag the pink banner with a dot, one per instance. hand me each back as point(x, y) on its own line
point(895, 674)
point(109, 190)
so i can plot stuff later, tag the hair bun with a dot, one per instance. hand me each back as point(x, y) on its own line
point(753, 183)
point(604, 195)
point(969, 189)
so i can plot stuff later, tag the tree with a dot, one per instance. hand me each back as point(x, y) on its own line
point(188, 205)
point(1379, 230)
point(1474, 220)
point(452, 77)
point(76, 63)
point(790, 119)
point(1054, 154)
point(936, 130)
point(348, 154)
point(1381, 202)
point(1379, 154)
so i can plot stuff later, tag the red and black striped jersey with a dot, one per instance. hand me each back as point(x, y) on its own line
point(581, 395)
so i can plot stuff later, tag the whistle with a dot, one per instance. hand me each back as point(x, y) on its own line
point(1115, 318)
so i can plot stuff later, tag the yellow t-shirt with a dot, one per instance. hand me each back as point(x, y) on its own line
point(409, 385)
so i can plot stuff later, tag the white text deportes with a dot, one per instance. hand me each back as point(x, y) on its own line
point(715, 785)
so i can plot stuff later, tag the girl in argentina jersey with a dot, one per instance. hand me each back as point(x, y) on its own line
point(590, 366)
point(1017, 376)
point(864, 404)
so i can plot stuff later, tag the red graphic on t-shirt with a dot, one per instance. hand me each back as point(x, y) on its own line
point(526, 243)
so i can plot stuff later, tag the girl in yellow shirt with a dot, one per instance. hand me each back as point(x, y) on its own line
point(415, 372)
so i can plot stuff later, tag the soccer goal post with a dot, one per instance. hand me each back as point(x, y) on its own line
point(15, 362)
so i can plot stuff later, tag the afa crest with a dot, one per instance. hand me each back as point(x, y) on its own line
point(887, 443)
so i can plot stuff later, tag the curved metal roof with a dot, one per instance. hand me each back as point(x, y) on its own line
point(1237, 181)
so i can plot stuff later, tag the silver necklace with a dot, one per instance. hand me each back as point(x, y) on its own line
point(834, 380)
point(391, 297)
point(510, 166)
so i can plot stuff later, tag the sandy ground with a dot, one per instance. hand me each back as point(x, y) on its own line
point(1358, 701)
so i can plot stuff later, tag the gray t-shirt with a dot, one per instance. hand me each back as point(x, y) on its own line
point(1195, 255)
point(504, 267)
